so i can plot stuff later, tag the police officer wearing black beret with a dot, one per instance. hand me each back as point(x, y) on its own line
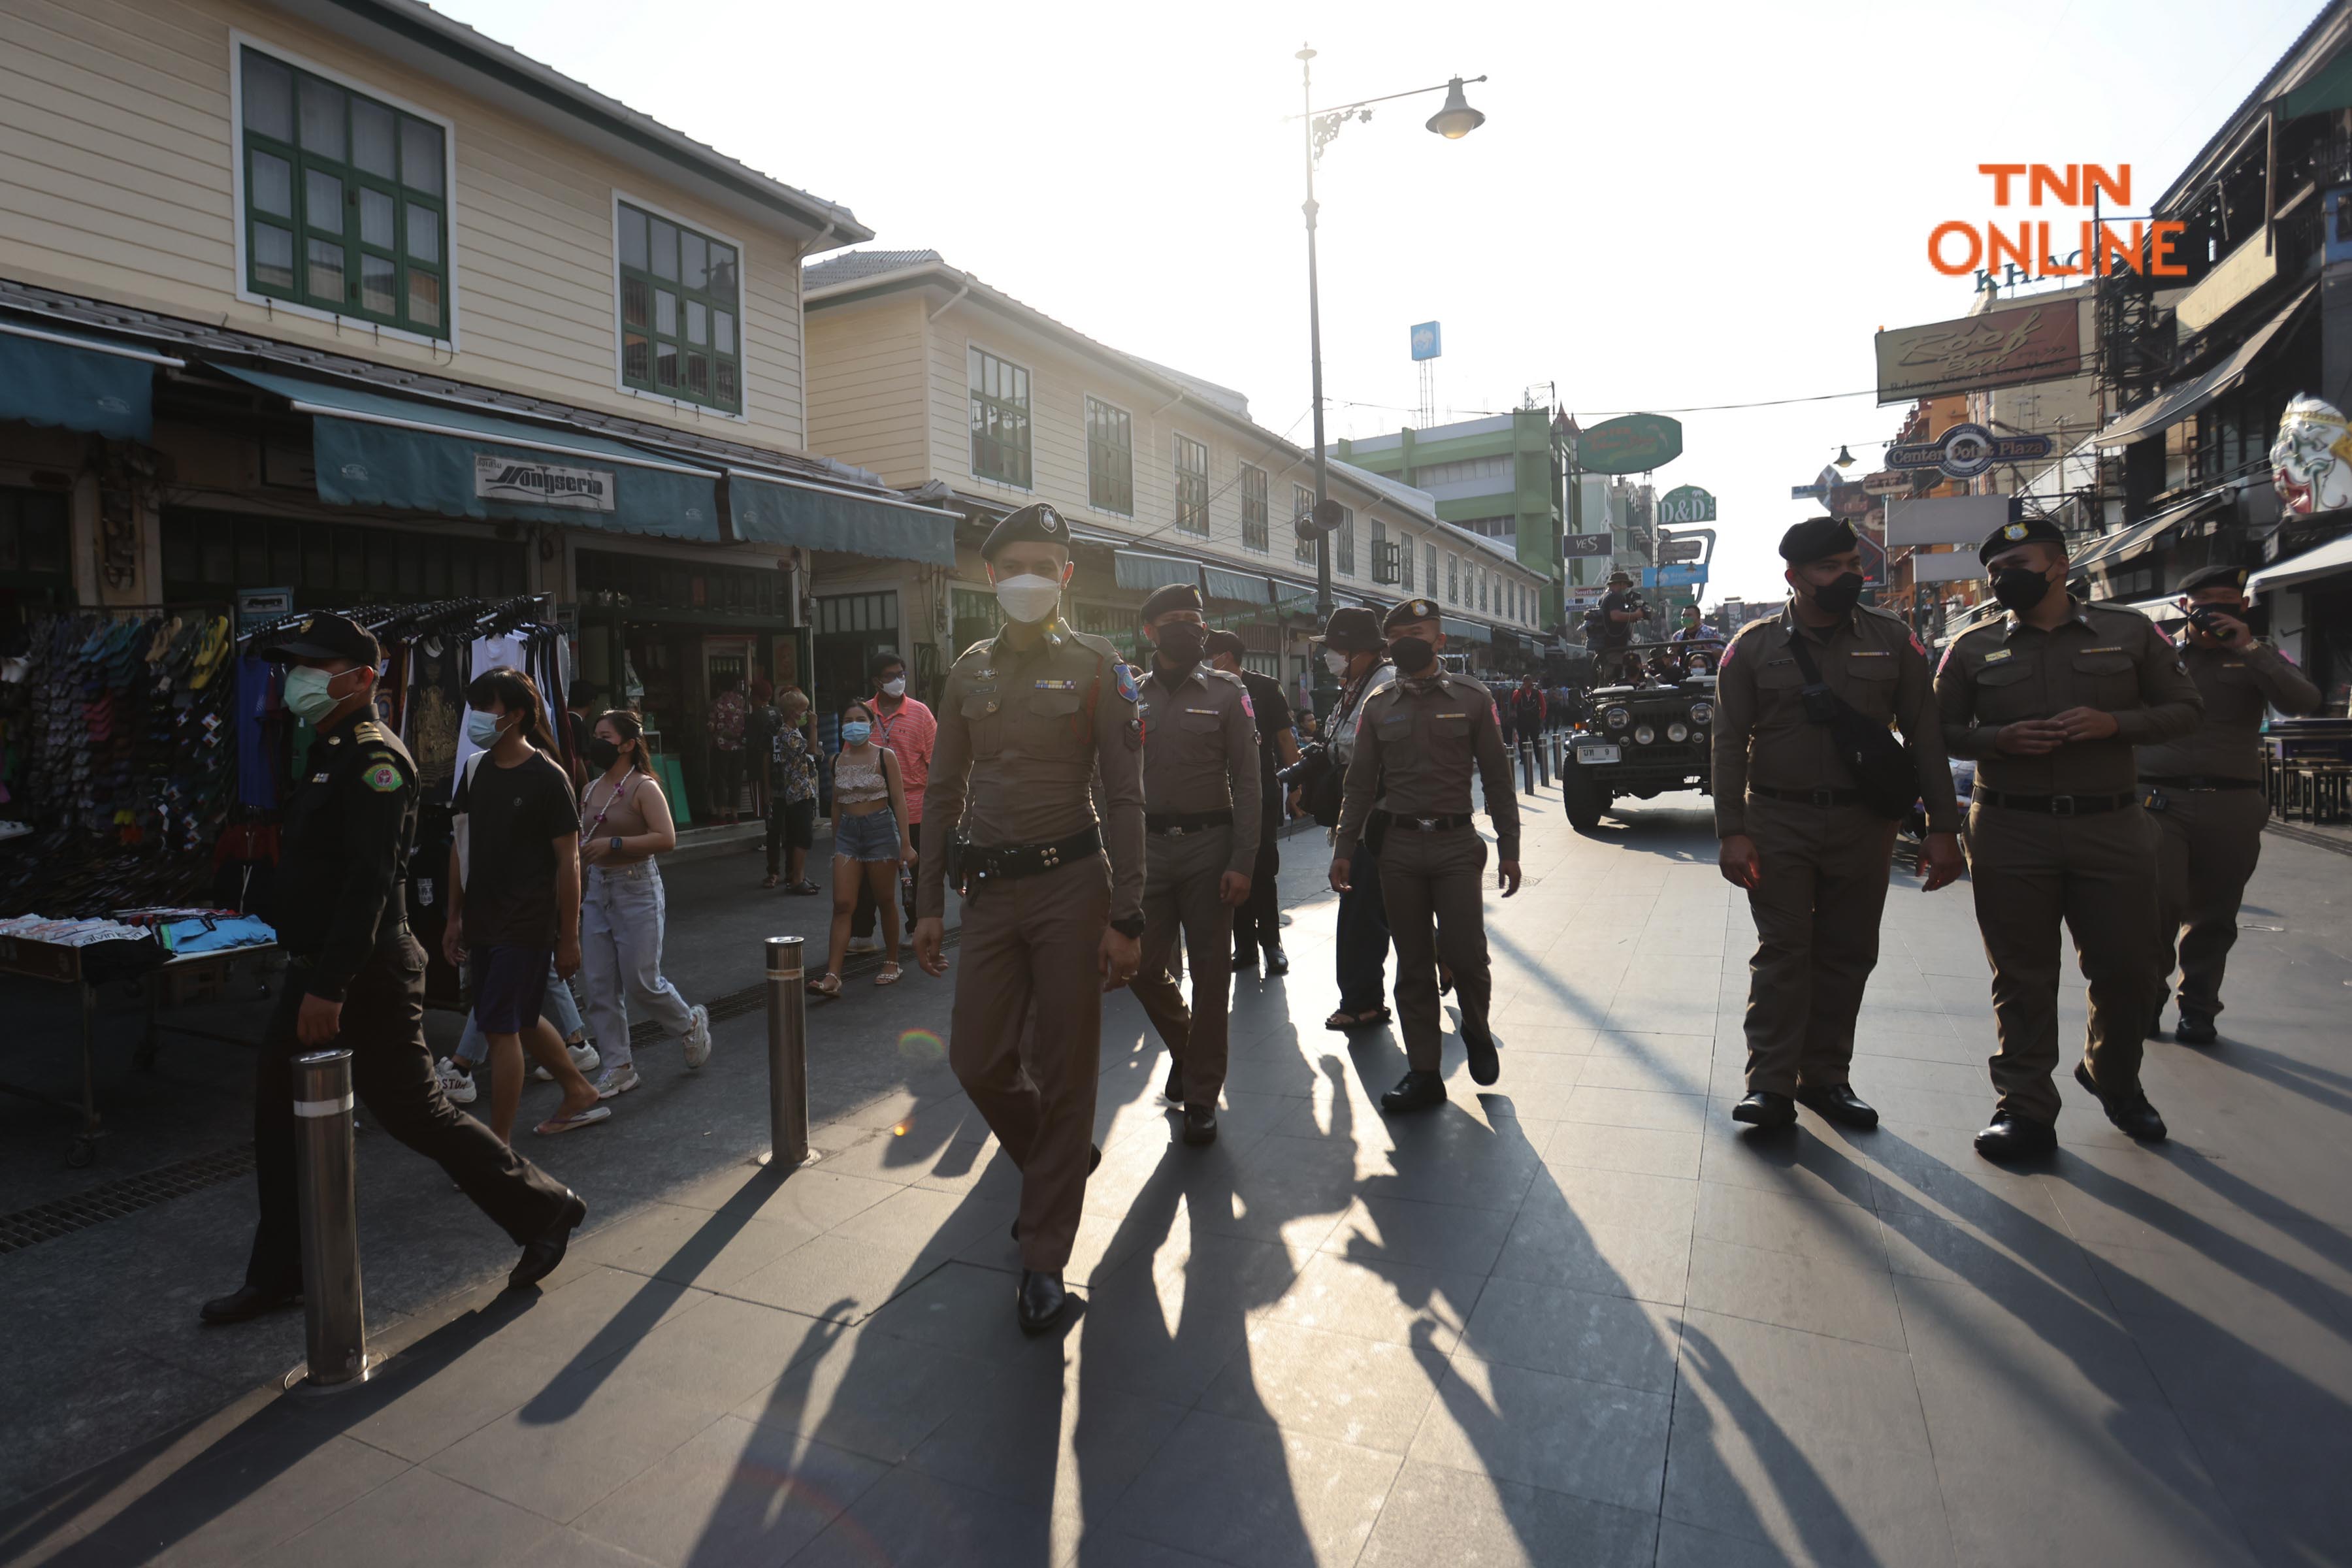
point(356, 978)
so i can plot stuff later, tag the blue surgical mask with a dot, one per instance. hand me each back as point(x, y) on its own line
point(482, 728)
point(855, 732)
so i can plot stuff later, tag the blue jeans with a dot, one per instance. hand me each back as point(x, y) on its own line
point(621, 913)
point(558, 1008)
point(1364, 935)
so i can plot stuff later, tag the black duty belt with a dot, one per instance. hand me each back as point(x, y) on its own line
point(1810, 797)
point(2056, 804)
point(1423, 823)
point(1010, 862)
point(1175, 824)
point(2199, 781)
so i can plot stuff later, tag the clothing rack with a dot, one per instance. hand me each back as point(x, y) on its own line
point(468, 618)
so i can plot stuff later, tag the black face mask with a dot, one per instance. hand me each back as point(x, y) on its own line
point(602, 753)
point(1181, 643)
point(1840, 594)
point(2019, 588)
point(1413, 656)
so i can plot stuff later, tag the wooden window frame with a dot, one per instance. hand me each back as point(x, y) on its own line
point(1343, 543)
point(1302, 502)
point(1192, 485)
point(1256, 533)
point(1024, 411)
point(1105, 491)
point(713, 301)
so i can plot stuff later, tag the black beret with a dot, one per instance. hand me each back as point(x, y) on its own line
point(1816, 537)
point(2230, 577)
point(1411, 610)
point(1352, 630)
point(1037, 523)
point(2022, 530)
point(324, 637)
point(1174, 597)
point(1219, 642)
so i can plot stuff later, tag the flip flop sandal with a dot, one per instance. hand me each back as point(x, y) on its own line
point(887, 975)
point(578, 1118)
point(825, 986)
point(1342, 1021)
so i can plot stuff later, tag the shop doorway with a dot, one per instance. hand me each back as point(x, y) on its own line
point(851, 628)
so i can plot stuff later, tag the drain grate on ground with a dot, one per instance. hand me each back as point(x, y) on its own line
point(63, 1216)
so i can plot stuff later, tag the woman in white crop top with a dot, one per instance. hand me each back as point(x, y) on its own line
point(869, 802)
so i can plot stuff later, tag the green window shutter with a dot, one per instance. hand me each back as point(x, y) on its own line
point(681, 311)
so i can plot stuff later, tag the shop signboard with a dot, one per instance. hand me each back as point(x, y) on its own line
point(1630, 444)
point(1428, 342)
point(1686, 504)
point(1964, 451)
point(1886, 482)
point(1975, 353)
point(498, 478)
point(1873, 561)
point(259, 606)
point(1674, 576)
point(1944, 520)
point(1599, 546)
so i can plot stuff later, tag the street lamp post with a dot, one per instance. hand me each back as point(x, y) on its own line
point(1453, 121)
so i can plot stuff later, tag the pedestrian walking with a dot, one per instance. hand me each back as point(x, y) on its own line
point(1800, 833)
point(1526, 719)
point(729, 715)
point(624, 823)
point(1201, 823)
point(355, 978)
point(1357, 656)
point(1040, 723)
point(909, 730)
point(582, 701)
point(560, 1011)
point(2050, 700)
point(792, 797)
point(1257, 924)
point(869, 800)
point(762, 720)
point(2204, 791)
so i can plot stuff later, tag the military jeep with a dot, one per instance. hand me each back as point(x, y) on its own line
point(1639, 737)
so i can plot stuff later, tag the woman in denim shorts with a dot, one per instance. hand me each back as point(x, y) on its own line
point(869, 802)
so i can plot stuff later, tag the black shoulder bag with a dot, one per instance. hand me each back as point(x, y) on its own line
point(1880, 763)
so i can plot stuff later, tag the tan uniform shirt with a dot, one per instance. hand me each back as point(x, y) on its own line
point(1415, 748)
point(2237, 686)
point(1024, 737)
point(1200, 753)
point(2099, 657)
point(1762, 735)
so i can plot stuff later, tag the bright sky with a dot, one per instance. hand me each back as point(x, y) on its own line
point(1668, 206)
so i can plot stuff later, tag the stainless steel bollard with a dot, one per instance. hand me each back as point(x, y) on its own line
point(335, 1315)
point(788, 1103)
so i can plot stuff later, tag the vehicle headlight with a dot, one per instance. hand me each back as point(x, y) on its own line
point(1645, 735)
point(1677, 733)
point(1617, 717)
point(1702, 712)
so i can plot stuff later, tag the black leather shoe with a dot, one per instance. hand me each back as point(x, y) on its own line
point(1766, 1109)
point(1042, 1301)
point(546, 1249)
point(2016, 1137)
point(1244, 955)
point(1093, 1162)
point(1479, 1044)
point(2128, 1110)
point(1174, 1091)
point(2194, 1030)
point(1415, 1091)
point(1839, 1105)
point(1200, 1124)
point(1277, 960)
point(246, 1303)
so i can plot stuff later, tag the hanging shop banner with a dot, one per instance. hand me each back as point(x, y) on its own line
point(514, 479)
point(2001, 348)
point(1686, 504)
point(1630, 444)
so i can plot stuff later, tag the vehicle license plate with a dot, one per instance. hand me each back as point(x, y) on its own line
point(1596, 754)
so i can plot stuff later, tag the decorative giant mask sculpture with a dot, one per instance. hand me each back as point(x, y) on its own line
point(2311, 461)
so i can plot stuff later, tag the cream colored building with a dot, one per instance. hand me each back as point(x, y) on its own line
point(945, 385)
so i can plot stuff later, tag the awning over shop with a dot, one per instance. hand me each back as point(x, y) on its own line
point(2110, 551)
point(374, 450)
point(1235, 588)
point(2181, 401)
point(2162, 611)
point(77, 383)
point(2327, 560)
point(1454, 626)
point(1140, 572)
point(774, 509)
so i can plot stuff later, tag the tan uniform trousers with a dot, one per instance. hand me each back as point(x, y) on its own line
point(1441, 876)
point(2209, 841)
point(2097, 874)
point(1817, 907)
point(1036, 942)
point(1180, 889)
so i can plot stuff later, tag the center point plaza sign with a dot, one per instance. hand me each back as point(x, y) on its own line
point(1964, 451)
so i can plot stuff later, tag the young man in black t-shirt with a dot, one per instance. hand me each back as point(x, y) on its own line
point(514, 899)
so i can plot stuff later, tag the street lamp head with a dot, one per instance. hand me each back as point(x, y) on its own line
point(1845, 458)
point(1457, 119)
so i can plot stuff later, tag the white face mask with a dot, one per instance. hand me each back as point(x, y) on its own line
point(1335, 661)
point(895, 686)
point(1028, 600)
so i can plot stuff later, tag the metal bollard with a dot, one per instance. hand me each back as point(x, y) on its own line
point(788, 1107)
point(335, 1317)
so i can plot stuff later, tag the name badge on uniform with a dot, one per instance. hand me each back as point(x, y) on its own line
point(319, 778)
point(1209, 711)
point(2117, 649)
point(1057, 685)
point(1871, 652)
point(1464, 714)
point(1996, 655)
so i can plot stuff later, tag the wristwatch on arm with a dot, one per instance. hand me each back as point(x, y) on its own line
point(616, 844)
point(1131, 927)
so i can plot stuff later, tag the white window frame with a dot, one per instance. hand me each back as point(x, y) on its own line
point(742, 325)
point(971, 343)
point(1084, 436)
point(238, 42)
point(1240, 492)
point(1176, 472)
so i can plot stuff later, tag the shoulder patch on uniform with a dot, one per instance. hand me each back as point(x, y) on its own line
point(384, 778)
point(1126, 682)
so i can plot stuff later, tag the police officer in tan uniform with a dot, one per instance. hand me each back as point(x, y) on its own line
point(2205, 791)
point(1035, 725)
point(2050, 701)
point(1408, 792)
point(1201, 823)
point(1794, 828)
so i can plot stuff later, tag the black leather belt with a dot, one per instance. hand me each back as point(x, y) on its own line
point(1174, 825)
point(1010, 862)
point(1810, 797)
point(1424, 824)
point(2199, 781)
point(2056, 804)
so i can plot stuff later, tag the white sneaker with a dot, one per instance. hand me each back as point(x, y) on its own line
point(455, 1084)
point(583, 1057)
point(698, 1037)
point(615, 1080)
point(864, 944)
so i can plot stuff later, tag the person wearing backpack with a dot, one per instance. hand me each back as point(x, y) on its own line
point(1809, 785)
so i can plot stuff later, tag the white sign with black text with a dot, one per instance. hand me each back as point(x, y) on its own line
point(541, 484)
